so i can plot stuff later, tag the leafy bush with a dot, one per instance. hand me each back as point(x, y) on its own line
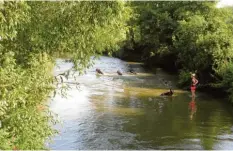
point(22, 91)
point(184, 78)
point(226, 72)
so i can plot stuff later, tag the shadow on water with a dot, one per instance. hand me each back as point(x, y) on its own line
point(126, 112)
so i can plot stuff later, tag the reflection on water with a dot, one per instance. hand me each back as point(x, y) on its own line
point(192, 107)
point(126, 112)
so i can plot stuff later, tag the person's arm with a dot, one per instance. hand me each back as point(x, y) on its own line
point(196, 81)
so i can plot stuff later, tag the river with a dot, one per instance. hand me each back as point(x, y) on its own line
point(126, 112)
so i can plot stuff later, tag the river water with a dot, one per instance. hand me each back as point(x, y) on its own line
point(126, 112)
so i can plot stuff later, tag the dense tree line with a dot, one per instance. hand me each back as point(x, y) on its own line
point(32, 36)
point(185, 37)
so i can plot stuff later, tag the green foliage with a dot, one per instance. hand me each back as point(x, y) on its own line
point(22, 91)
point(192, 36)
point(184, 78)
point(32, 35)
point(81, 29)
point(227, 79)
point(204, 40)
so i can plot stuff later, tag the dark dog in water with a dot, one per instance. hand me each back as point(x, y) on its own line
point(118, 72)
point(132, 71)
point(169, 93)
point(99, 71)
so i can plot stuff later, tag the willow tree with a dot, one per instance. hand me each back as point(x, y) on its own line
point(33, 35)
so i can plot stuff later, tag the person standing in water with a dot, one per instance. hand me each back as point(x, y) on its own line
point(193, 85)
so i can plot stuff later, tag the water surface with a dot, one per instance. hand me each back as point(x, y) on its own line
point(126, 112)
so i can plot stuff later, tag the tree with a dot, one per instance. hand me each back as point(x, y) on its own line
point(33, 35)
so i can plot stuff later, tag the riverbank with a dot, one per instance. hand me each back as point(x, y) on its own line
point(152, 64)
